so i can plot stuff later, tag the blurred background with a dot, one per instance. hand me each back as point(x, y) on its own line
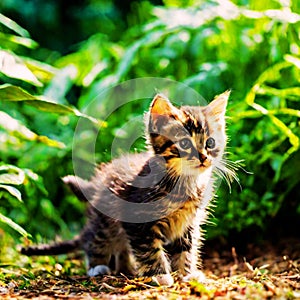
point(67, 52)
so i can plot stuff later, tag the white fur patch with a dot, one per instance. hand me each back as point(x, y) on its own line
point(197, 275)
point(163, 279)
point(98, 270)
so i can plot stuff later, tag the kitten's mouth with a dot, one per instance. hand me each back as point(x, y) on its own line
point(201, 166)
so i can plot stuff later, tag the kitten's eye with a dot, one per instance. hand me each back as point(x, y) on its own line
point(210, 143)
point(185, 144)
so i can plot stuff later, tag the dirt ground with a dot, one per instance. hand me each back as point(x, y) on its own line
point(264, 271)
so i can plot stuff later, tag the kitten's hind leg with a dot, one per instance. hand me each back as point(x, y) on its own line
point(119, 262)
point(98, 253)
point(98, 263)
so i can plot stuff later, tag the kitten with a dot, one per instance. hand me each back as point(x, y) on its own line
point(146, 209)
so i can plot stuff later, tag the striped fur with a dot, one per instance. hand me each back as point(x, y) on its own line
point(177, 175)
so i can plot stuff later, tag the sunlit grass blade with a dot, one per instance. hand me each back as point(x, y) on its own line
point(9, 23)
point(14, 225)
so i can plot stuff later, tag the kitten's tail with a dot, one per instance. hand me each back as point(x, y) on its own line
point(53, 249)
point(83, 189)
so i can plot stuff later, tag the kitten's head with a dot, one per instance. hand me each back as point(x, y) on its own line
point(191, 139)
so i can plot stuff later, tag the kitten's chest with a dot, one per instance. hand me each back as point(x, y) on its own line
point(177, 223)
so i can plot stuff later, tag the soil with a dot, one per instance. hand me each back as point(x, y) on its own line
point(257, 271)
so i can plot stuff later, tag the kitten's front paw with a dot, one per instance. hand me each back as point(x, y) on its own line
point(163, 279)
point(197, 275)
point(99, 270)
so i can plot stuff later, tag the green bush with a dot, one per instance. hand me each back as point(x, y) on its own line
point(212, 46)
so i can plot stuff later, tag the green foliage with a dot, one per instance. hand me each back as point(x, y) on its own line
point(24, 146)
point(11, 176)
point(211, 46)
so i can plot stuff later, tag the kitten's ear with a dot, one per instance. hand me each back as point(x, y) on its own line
point(161, 112)
point(162, 106)
point(218, 105)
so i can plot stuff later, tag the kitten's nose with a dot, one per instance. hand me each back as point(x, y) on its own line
point(202, 157)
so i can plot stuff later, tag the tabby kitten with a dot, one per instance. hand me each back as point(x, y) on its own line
point(175, 178)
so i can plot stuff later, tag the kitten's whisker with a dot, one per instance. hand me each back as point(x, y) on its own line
point(227, 170)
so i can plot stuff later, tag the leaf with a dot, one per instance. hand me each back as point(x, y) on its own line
point(294, 140)
point(13, 191)
point(284, 16)
point(246, 114)
point(12, 66)
point(13, 93)
point(285, 111)
point(13, 175)
point(13, 26)
point(126, 61)
point(41, 70)
point(16, 94)
point(128, 57)
point(194, 18)
point(15, 128)
point(293, 60)
point(61, 84)
point(250, 97)
point(273, 73)
point(14, 225)
point(10, 178)
point(6, 38)
point(292, 93)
